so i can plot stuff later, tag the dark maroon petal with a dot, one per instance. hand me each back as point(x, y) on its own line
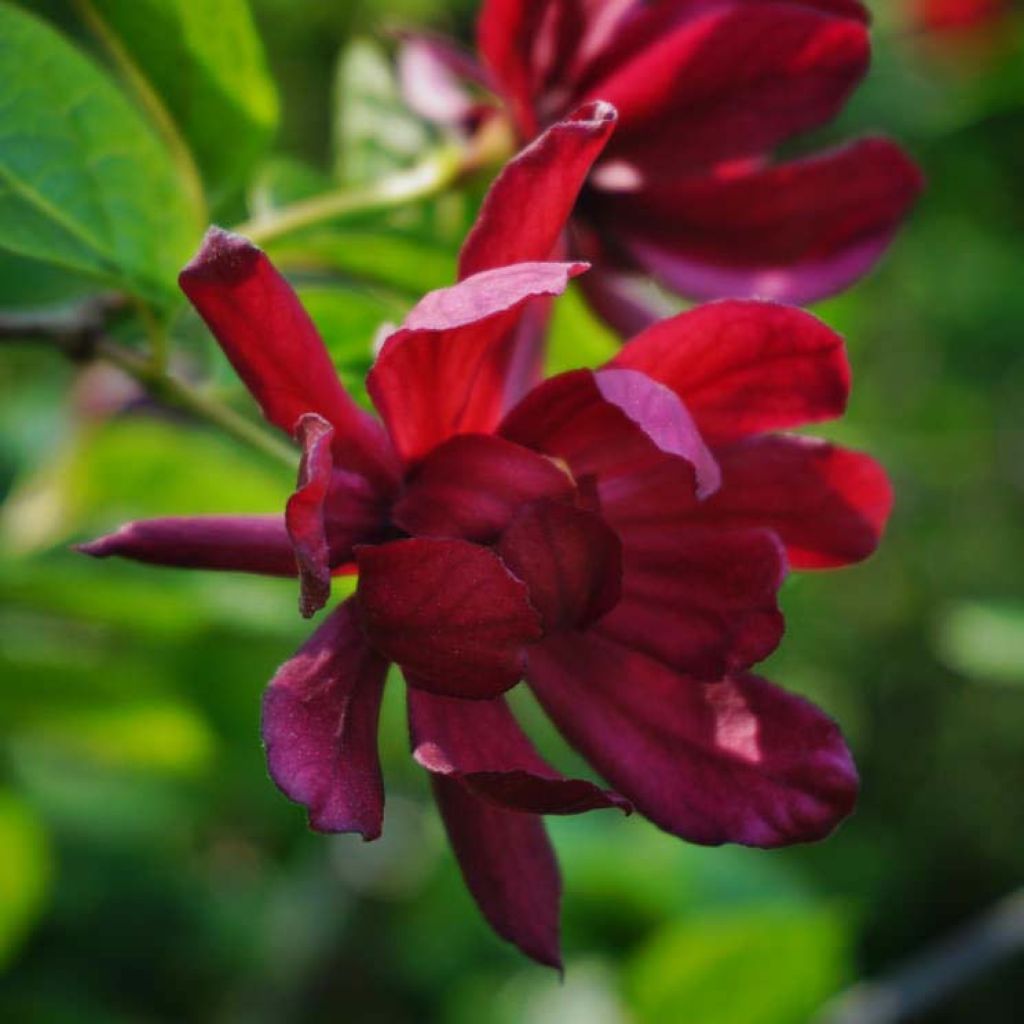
point(745, 367)
point(304, 514)
point(618, 300)
point(472, 487)
point(828, 504)
point(703, 601)
point(508, 865)
point(730, 82)
point(274, 347)
point(320, 728)
point(734, 761)
point(528, 206)
point(796, 232)
point(569, 559)
point(253, 544)
point(449, 613)
point(443, 373)
point(479, 743)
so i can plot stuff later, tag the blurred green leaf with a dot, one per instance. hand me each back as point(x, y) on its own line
point(28, 284)
point(577, 337)
point(84, 183)
point(282, 180)
point(374, 131)
point(984, 640)
point(206, 63)
point(760, 967)
point(25, 869)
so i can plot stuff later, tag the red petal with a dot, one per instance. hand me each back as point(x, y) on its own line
point(735, 761)
point(703, 601)
point(615, 425)
point(272, 344)
point(795, 232)
point(570, 560)
point(432, 74)
point(443, 373)
point(448, 612)
point(828, 504)
point(509, 867)
point(253, 544)
point(745, 367)
point(528, 206)
point(479, 743)
point(472, 487)
point(320, 728)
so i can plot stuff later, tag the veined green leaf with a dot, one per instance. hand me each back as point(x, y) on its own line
point(84, 183)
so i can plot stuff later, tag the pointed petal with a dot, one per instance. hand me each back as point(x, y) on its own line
point(745, 367)
point(508, 865)
point(735, 761)
point(252, 544)
point(829, 505)
point(443, 373)
point(274, 347)
point(320, 728)
point(472, 487)
point(479, 743)
point(448, 612)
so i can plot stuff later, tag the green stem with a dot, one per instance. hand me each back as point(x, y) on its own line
point(433, 176)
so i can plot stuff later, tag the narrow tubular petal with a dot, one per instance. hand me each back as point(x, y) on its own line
point(304, 514)
point(703, 601)
point(795, 232)
point(274, 347)
point(320, 728)
point(745, 367)
point(252, 544)
point(616, 425)
point(508, 865)
point(472, 487)
point(443, 373)
point(528, 206)
point(733, 761)
point(479, 743)
point(730, 82)
point(829, 505)
point(570, 560)
point(449, 613)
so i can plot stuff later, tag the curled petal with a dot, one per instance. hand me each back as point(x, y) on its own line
point(320, 728)
point(448, 612)
point(733, 761)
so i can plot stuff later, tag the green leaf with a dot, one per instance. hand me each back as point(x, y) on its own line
point(28, 284)
point(984, 641)
point(205, 61)
point(759, 967)
point(25, 871)
point(577, 337)
point(85, 185)
point(375, 133)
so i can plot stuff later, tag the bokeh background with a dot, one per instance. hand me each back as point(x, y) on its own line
point(149, 870)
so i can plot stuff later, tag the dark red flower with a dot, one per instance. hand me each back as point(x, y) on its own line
point(615, 537)
point(706, 90)
point(957, 16)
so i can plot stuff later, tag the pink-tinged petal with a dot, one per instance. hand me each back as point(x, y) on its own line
point(252, 544)
point(702, 601)
point(473, 486)
point(449, 613)
point(443, 372)
point(274, 347)
point(615, 425)
point(733, 761)
point(508, 865)
point(304, 514)
point(320, 727)
point(796, 232)
point(745, 367)
point(479, 743)
point(528, 206)
point(432, 75)
point(829, 505)
point(730, 82)
point(569, 559)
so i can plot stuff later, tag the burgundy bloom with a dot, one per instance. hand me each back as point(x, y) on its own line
point(706, 90)
point(616, 538)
